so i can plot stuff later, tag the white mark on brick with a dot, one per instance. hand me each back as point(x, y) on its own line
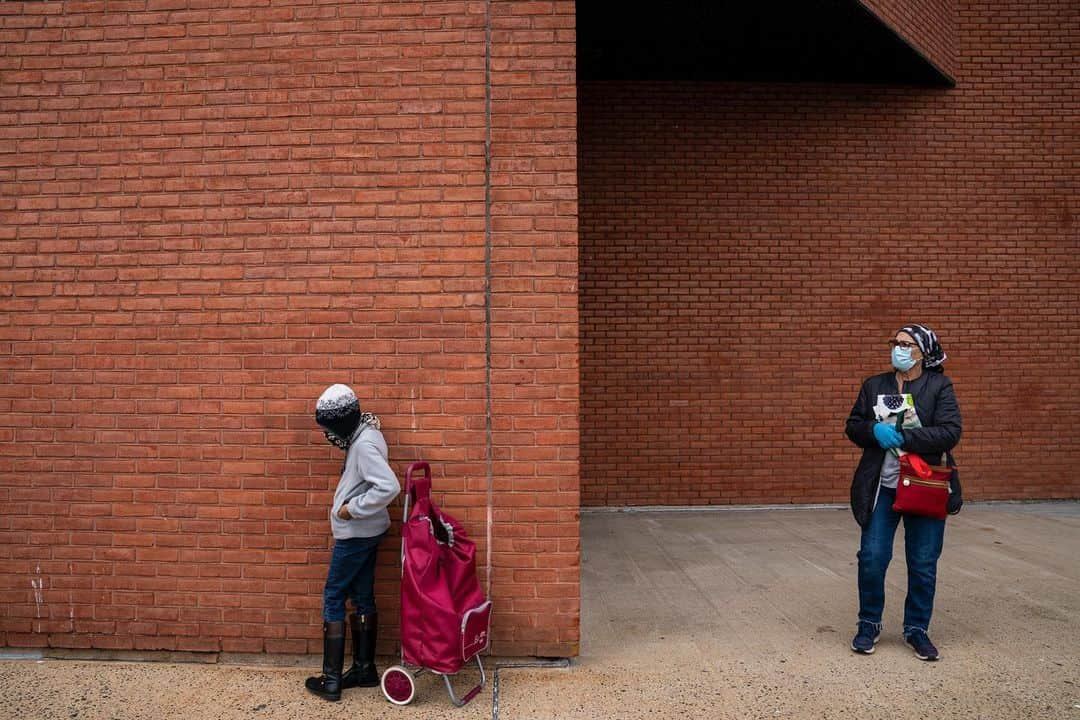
point(37, 585)
point(39, 598)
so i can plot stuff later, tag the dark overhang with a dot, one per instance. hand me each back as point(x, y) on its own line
point(812, 41)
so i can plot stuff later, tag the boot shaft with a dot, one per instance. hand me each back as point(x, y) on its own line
point(365, 631)
point(328, 685)
point(333, 649)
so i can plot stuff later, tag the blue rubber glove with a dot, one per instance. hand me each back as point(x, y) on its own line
point(887, 436)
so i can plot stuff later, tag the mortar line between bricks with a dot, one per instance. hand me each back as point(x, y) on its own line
point(489, 460)
point(640, 509)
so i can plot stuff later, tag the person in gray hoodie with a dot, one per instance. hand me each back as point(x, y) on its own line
point(358, 520)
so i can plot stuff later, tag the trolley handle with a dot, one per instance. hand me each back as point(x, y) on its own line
point(423, 484)
point(415, 488)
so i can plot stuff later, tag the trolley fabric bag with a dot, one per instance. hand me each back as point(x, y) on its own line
point(444, 612)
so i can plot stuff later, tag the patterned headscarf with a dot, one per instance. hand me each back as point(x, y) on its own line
point(933, 355)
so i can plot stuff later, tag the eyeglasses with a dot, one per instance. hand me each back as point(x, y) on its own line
point(903, 344)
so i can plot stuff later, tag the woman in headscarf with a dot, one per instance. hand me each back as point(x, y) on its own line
point(358, 520)
point(930, 428)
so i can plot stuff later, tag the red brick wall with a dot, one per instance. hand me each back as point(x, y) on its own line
point(534, 325)
point(746, 251)
point(927, 25)
point(211, 212)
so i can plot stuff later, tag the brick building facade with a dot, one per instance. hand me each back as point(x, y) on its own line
point(748, 249)
point(211, 211)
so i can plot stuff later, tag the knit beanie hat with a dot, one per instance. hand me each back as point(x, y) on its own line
point(338, 411)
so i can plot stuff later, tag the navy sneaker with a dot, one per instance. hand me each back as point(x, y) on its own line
point(924, 649)
point(866, 637)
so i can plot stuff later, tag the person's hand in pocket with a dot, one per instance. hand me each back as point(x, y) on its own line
point(343, 513)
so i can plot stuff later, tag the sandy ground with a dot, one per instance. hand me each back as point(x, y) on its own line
point(729, 614)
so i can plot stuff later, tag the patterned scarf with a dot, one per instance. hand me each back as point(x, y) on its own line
point(366, 418)
point(933, 355)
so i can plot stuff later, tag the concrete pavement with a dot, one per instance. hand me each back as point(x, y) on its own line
point(704, 614)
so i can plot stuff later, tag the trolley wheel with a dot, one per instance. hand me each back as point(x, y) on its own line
point(398, 685)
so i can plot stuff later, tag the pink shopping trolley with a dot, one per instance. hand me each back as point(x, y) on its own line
point(444, 613)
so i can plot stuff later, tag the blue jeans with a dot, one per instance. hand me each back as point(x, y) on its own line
point(351, 576)
point(923, 538)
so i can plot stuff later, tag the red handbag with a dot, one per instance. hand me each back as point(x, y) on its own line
point(922, 489)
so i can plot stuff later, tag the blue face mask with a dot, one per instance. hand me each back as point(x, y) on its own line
point(901, 359)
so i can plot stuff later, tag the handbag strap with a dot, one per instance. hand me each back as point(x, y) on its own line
point(947, 463)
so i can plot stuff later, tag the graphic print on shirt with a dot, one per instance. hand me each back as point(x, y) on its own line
point(889, 407)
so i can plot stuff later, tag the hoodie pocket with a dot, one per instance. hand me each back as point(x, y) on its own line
point(335, 509)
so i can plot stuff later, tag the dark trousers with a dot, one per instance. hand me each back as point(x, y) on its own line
point(351, 576)
point(923, 539)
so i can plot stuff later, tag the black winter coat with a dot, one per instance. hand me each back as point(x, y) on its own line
point(935, 402)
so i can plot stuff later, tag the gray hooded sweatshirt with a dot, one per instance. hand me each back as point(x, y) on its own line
point(367, 486)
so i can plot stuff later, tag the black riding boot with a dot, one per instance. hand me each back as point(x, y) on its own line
point(328, 685)
point(363, 672)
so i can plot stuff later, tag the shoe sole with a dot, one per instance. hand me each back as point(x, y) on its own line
point(349, 681)
point(924, 658)
point(866, 652)
point(361, 685)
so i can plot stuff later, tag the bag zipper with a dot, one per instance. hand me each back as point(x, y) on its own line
point(939, 484)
